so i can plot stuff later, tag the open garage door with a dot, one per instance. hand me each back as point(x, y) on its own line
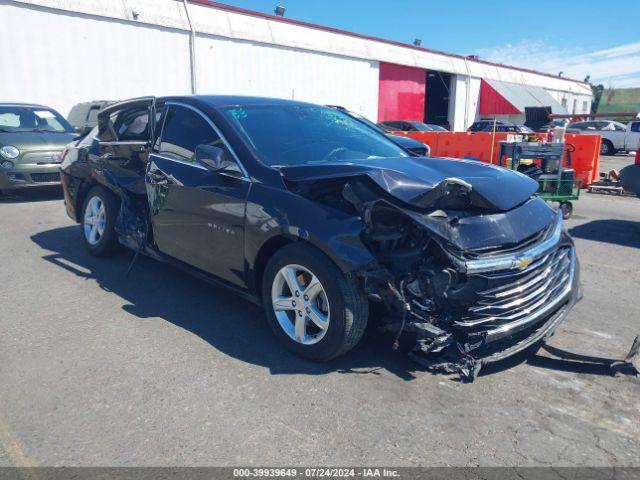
point(402, 93)
point(436, 110)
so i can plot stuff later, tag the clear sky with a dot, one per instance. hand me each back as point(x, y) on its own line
point(578, 37)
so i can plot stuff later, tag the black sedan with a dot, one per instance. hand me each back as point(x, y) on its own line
point(316, 216)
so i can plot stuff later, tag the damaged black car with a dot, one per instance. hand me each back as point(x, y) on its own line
point(321, 219)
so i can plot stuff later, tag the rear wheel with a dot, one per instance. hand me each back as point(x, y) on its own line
point(99, 213)
point(312, 307)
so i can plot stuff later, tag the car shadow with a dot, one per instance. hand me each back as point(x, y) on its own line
point(36, 194)
point(233, 326)
point(552, 358)
point(620, 232)
point(236, 327)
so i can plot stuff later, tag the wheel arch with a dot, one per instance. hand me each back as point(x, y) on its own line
point(83, 190)
point(266, 251)
point(343, 259)
point(612, 147)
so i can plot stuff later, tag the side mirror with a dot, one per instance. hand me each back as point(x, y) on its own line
point(213, 158)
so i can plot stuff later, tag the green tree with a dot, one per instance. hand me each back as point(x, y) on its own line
point(597, 94)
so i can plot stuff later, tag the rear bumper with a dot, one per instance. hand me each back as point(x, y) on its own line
point(70, 188)
point(28, 176)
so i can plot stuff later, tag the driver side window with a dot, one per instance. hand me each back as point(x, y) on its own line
point(183, 130)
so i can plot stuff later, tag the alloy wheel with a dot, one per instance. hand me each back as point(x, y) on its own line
point(300, 304)
point(94, 220)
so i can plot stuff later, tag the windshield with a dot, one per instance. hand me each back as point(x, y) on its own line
point(32, 119)
point(304, 134)
point(357, 116)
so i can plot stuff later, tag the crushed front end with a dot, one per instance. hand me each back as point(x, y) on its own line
point(466, 301)
point(476, 267)
point(469, 308)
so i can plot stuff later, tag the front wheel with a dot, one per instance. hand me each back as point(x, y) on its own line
point(567, 210)
point(99, 213)
point(312, 307)
point(606, 148)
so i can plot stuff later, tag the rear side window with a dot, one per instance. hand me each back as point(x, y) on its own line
point(92, 115)
point(635, 127)
point(89, 137)
point(183, 131)
point(131, 125)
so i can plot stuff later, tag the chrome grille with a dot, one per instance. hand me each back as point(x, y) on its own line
point(517, 297)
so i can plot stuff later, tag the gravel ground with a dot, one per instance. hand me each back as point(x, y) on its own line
point(160, 369)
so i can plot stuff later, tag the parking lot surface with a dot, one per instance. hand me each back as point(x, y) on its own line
point(162, 369)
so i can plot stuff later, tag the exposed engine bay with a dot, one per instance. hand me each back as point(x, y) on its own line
point(466, 302)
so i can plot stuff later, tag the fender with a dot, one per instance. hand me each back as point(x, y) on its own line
point(335, 233)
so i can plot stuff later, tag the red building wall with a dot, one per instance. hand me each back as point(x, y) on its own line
point(401, 92)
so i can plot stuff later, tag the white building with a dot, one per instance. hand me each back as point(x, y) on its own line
point(61, 52)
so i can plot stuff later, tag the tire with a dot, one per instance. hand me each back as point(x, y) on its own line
point(606, 148)
point(346, 314)
point(105, 240)
point(567, 210)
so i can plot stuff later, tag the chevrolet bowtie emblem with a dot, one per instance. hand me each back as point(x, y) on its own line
point(523, 262)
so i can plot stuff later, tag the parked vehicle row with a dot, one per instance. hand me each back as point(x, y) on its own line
point(409, 143)
point(319, 217)
point(488, 125)
point(410, 126)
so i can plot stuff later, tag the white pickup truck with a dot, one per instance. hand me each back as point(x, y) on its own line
point(616, 136)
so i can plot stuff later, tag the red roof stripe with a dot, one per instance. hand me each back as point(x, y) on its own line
point(492, 103)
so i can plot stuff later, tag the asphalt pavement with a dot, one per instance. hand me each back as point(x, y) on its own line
point(161, 369)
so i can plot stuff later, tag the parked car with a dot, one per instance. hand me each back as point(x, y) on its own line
point(313, 214)
point(616, 136)
point(557, 122)
point(410, 126)
point(84, 116)
point(31, 139)
point(414, 146)
point(487, 125)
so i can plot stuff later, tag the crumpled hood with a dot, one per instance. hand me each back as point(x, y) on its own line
point(412, 179)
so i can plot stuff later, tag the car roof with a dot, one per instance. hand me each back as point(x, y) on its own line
point(231, 100)
point(17, 104)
